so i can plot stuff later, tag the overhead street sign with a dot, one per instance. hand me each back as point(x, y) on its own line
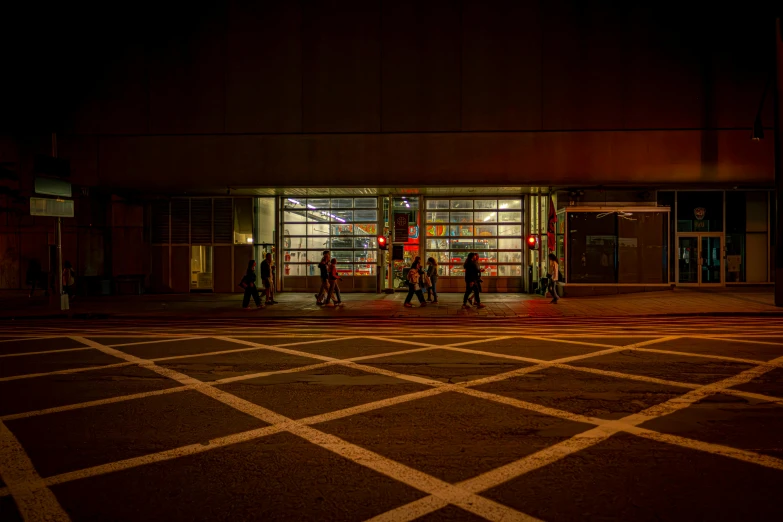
point(51, 207)
point(52, 187)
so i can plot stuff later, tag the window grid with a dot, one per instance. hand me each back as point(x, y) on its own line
point(490, 227)
point(346, 226)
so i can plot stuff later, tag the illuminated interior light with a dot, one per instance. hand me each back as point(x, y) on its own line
point(295, 202)
point(250, 240)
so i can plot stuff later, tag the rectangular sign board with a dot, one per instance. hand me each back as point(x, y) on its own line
point(52, 187)
point(51, 207)
point(398, 252)
point(400, 227)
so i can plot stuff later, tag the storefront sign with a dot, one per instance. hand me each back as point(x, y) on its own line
point(699, 213)
point(413, 231)
point(400, 227)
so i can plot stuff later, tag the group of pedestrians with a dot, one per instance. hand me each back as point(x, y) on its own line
point(36, 277)
point(419, 279)
point(330, 289)
point(248, 282)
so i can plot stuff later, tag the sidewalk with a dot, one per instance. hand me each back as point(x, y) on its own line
point(739, 301)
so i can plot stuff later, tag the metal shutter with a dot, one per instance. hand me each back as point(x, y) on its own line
point(224, 220)
point(201, 221)
point(180, 221)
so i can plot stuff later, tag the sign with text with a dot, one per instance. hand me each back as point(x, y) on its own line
point(51, 207)
point(52, 187)
point(398, 253)
point(400, 227)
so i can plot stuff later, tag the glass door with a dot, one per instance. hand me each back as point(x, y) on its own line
point(699, 259)
point(688, 260)
point(710, 254)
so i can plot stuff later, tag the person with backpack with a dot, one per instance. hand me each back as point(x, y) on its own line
point(414, 284)
point(267, 279)
point(69, 280)
point(323, 268)
point(249, 284)
point(334, 288)
point(432, 274)
point(472, 281)
point(554, 277)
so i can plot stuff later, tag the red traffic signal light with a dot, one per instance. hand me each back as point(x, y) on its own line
point(532, 242)
point(383, 243)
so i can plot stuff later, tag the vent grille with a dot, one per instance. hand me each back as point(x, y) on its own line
point(224, 221)
point(180, 221)
point(201, 221)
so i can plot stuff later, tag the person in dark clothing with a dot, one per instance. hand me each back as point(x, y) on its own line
point(323, 268)
point(432, 273)
point(472, 280)
point(35, 277)
point(249, 284)
point(267, 271)
point(69, 280)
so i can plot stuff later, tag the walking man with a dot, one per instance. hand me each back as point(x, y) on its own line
point(323, 268)
point(267, 271)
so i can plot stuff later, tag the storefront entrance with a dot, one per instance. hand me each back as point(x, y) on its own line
point(700, 259)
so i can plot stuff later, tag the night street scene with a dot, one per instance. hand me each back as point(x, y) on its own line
point(391, 260)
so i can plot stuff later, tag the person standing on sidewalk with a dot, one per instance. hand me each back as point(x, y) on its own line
point(432, 273)
point(472, 281)
point(34, 277)
point(414, 284)
point(249, 284)
point(267, 271)
point(69, 280)
point(323, 267)
point(554, 277)
point(334, 288)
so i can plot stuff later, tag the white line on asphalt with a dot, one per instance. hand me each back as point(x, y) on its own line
point(46, 352)
point(64, 372)
point(33, 499)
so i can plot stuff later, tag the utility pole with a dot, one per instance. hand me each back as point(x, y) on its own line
point(64, 305)
point(778, 147)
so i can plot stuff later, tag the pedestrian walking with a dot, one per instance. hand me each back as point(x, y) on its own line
point(267, 279)
point(323, 268)
point(35, 277)
point(69, 280)
point(334, 287)
point(554, 277)
point(414, 284)
point(472, 281)
point(248, 282)
point(432, 274)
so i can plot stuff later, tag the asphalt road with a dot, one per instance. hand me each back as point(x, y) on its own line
point(637, 419)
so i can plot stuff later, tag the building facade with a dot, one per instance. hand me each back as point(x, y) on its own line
point(200, 140)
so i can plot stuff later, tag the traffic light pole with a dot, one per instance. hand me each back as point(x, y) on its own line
point(778, 145)
point(64, 305)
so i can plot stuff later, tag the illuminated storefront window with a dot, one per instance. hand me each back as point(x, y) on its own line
point(346, 226)
point(490, 227)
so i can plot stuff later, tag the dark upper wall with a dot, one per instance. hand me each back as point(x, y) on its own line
point(368, 66)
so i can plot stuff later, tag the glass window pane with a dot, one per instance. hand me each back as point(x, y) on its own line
point(365, 256)
point(441, 257)
point(511, 217)
point(366, 229)
point(364, 270)
point(294, 217)
point(342, 202)
point(591, 247)
point(510, 271)
point(365, 215)
point(437, 244)
point(486, 244)
point(510, 203)
point(456, 270)
point(481, 204)
point(318, 243)
point(341, 216)
point(294, 256)
point(436, 204)
point(510, 257)
point(642, 246)
point(461, 230)
point(343, 230)
point(318, 203)
point(700, 211)
point(341, 242)
point(318, 216)
point(342, 256)
point(313, 256)
point(486, 230)
point(437, 217)
point(293, 203)
point(443, 270)
point(366, 242)
point(461, 217)
point(510, 230)
point(461, 244)
point(461, 203)
point(510, 244)
point(290, 229)
point(345, 269)
point(318, 229)
point(365, 203)
point(486, 217)
point(437, 230)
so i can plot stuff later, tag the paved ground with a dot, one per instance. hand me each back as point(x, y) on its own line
point(382, 419)
point(749, 300)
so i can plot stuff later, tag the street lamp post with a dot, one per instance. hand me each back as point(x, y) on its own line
point(777, 116)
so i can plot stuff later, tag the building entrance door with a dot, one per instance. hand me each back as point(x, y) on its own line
point(699, 259)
